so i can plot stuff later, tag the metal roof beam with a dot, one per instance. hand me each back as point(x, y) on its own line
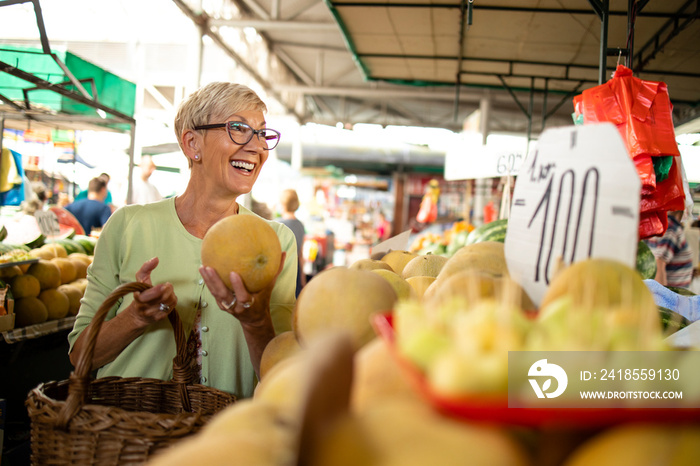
point(657, 43)
point(378, 93)
point(40, 83)
point(262, 25)
point(511, 9)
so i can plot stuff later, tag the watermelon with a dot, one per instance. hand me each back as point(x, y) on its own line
point(25, 230)
point(87, 242)
point(71, 245)
point(646, 262)
point(66, 218)
point(672, 321)
point(492, 231)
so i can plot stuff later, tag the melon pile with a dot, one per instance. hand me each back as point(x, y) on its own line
point(50, 283)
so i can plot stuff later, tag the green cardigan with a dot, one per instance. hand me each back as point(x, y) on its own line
point(136, 233)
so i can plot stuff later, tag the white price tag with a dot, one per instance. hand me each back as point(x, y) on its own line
point(472, 160)
point(48, 223)
point(577, 196)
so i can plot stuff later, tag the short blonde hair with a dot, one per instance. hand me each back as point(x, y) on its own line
point(215, 100)
point(289, 200)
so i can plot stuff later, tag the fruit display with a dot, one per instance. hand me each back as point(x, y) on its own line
point(48, 281)
point(334, 392)
point(445, 243)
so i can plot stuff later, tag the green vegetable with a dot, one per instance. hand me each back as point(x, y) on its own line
point(646, 262)
point(492, 231)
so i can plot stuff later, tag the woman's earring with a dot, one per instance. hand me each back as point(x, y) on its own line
point(196, 156)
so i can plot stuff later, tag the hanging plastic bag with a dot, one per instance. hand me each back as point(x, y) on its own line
point(641, 111)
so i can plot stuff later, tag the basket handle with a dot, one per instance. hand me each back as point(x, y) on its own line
point(80, 378)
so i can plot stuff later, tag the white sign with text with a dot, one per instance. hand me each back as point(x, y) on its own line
point(47, 222)
point(577, 196)
point(473, 160)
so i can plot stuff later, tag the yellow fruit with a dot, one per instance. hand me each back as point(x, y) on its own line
point(281, 347)
point(401, 287)
point(428, 265)
point(56, 302)
point(74, 295)
point(80, 283)
point(641, 445)
point(249, 448)
point(377, 377)
point(599, 282)
point(30, 311)
point(80, 266)
point(44, 253)
point(48, 273)
point(398, 259)
point(24, 286)
point(486, 257)
point(473, 286)
point(82, 257)
point(252, 432)
point(244, 244)
point(57, 249)
point(9, 272)
point(399, 432)
point(285, 384)
point(370, 264)
point(67, 269)
point(342, 298)
point(420, 284)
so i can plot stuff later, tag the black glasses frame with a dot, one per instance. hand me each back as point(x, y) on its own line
point(254, 132)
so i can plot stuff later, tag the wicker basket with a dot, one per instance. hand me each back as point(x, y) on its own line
point(115, 420)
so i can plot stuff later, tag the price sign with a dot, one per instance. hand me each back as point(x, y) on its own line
point(577, 196)
point(48, 223)
point(472, 160)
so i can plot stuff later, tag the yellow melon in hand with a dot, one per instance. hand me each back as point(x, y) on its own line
point(244, 244)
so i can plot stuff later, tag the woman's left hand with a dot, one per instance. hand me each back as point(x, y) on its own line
point(248, 308)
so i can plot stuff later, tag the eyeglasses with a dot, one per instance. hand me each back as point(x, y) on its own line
point(241, 133)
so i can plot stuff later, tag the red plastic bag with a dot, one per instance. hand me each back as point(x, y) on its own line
point(668, 195)
point(640, 109)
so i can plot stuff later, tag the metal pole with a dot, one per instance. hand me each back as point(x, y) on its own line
point(630, 33)
point(604, 14)
point(130, 181)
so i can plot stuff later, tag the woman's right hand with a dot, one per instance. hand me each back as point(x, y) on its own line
point(153, 304)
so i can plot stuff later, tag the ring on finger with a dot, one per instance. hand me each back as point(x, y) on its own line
point(231, 304)
point(164, 307)
point(249, 303)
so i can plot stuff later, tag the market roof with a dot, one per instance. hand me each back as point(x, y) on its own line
point(430, 63)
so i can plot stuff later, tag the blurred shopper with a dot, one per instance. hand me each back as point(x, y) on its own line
point(108, 198)
point(289, 201)
point(92, 212)
point(143, 191)
point(383, 227)
point(674, 259)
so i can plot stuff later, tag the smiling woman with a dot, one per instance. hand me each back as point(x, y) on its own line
point(221, 131)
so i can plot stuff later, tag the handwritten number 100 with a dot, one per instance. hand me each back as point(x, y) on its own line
point(567, 179)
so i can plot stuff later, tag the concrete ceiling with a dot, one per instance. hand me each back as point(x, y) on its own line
point(432, 63)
